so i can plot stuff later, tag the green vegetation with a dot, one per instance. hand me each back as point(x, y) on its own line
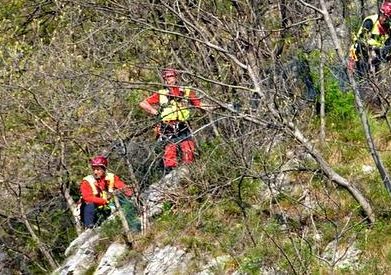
point(111, 229)
point(72, 74)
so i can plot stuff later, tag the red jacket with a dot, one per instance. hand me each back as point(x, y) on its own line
point(101, 185)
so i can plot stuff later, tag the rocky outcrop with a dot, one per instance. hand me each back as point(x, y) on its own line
point(341, 255)
point(155, 194)
point(81, 254)
point(167, 260)
point(110, 262)
point(119, 259)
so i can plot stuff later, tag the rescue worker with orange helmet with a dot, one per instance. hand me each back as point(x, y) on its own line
point(97, 190)
point(172, 106)
point(372, 43)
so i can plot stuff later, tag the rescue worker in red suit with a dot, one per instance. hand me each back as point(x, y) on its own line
point(97, 191)
point(172, 106)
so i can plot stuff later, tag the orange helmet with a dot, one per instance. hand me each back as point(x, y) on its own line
point(99, 161)
point(385, 9)
point(169, 72)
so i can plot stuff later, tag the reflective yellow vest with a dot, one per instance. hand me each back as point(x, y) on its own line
point(373, 38)
point(92, 181)
point(174, 110)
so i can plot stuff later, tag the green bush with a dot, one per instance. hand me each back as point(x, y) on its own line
point(111, 229)
point(340, 106)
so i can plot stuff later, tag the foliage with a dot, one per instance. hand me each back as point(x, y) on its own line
point(339, 103)
point(72, 74)
point(111, 229)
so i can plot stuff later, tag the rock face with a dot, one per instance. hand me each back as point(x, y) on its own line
point(167, 260)
point(109, 261)
point(120, 260)
point(83, 257)
point(341, 255)
point(155, 194)
point(81, 254)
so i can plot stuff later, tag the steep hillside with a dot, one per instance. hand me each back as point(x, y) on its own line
point(291, 171)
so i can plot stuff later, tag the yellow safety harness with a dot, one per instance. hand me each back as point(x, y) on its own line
point(172, 109)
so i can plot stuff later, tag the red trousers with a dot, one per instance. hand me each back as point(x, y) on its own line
point(170, 153)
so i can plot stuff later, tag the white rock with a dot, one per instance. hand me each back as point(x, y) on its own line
point(109, 260)
point(128, 269)
point(215, 264)
point(340, 255)
point(79, 241)
point(154, 196)
point(168, 260)
point(82, 260)
point(367, 169)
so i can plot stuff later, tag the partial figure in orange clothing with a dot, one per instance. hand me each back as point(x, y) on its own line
point(172, 107)
point(97, 191)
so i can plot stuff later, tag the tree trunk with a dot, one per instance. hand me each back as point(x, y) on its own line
point(45, 252)
point(73, 207)
point(322, 90)
point(65, 191)
point(363, 116)
point(332, 175)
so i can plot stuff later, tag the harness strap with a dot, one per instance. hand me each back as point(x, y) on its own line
point(92, 182)
point(172, 107)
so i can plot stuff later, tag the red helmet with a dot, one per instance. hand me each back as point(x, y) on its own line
point(385, 9)
point(169, 72)
point(99, 161)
